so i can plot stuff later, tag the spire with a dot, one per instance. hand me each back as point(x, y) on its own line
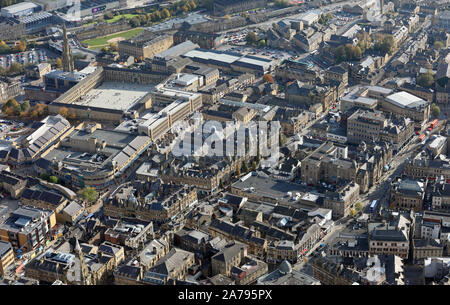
point(77, 245)
point(83, 267)
point(67, 58)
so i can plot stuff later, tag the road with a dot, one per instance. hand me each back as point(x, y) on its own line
point(268, 23)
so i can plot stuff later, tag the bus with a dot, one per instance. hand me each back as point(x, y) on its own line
point(373, 206)
point(434, 123)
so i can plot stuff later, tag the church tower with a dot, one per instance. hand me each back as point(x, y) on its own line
point(83, 267)
point(67, 57)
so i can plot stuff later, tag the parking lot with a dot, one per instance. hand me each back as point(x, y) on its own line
point(9, 128)
point(23, 58)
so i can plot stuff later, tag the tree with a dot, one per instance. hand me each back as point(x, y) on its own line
point(25, 106)
point(251, 37)
point(254, 166)
point(64, 111)
point(89, 194)
point(435, 110)
point(358, 206)
point(21, 46)
point(165, 13)
point(438, 45)
point(237, 169)
point(44, 176)
point(244, 167)
point(386, 45)
point(53, 179)
point(352, 213)
point(59, 63)
point(267, 78)
point(283, 139)
point(113, 47)
point(15, 68)
point(425, 80)
point(262, 43)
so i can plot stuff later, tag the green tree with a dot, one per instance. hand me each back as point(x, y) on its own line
point(283, 139)
point(438, 45)
point(358, 206)
point(262, 43)
point(53, 179)
point(425, 80)
point(16, 68)
point(254, 166)
point(251, 37)
point(44, 176)
point(244, 167)
point(435, 110)
point(352, 213)
point(89, 194)
point(25, 106)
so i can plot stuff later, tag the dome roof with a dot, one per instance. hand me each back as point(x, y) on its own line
point(285, 267)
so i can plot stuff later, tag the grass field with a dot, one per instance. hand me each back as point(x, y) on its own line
point(100, 42)
point(116, 18)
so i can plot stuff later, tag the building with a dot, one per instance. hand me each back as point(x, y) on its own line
point(331, 273)
point(425, 248)
point(230, 256)
point(160, 205)
point(20, 9)
point(6, 257)
point(173, 266)
point(44, 200)
point(27, 228)
point(67, 57)
point(12, 183)
point(390, 238)
point(286, 275)
point(145, 47)
point(228, 7)
point(407, 194)
point(129, 232)
point(305, 95)
point(231, 61)
point(91, 156)
point(11, 29)
point(407, 105)
point(422, 166)
point(364, 125)
point(342, 199)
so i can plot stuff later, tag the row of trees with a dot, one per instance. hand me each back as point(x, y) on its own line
point(163, 14)
point(20, 46)
point(67, 113)
point(349, 52)
point(24, 110)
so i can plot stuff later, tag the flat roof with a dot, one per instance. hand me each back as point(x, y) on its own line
point(406, 100)
point(15, 8)
point(115, 95)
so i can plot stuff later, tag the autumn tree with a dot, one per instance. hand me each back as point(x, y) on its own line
point(59, 63)
point(64, 111)
point(165, 13)
point(267, 78)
